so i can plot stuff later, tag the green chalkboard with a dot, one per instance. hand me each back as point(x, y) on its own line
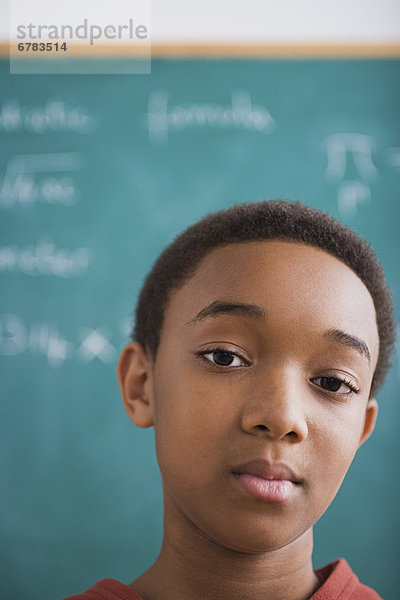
point(97, 175)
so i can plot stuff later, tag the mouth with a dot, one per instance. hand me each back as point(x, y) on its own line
point(272, 482)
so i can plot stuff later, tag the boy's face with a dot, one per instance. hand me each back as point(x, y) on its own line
point(272, 382)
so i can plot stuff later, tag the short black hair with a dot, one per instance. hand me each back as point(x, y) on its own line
point(261, 221)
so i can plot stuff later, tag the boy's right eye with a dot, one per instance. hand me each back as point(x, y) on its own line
point(222, 358)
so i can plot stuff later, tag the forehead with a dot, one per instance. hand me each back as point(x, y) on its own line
point(294, 283)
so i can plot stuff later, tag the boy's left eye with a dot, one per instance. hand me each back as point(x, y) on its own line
point(223, 358)
point(333, 384)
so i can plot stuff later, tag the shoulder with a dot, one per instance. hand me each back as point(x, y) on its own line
point(341, 583)
point(107, 589)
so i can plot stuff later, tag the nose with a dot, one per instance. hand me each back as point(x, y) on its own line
point(276, 410)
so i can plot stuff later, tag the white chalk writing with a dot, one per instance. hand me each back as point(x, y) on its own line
point(349, 195)
point(52, 117)
point(95, 344)
point(351, 192)
point(44, 258)
point(241, 113)
point(24, 182)
point(338, 145)
point(45, 339)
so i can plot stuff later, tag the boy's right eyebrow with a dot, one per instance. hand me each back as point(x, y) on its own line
point(219, 307)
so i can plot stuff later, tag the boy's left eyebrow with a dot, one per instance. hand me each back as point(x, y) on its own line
point(219, 307)
point(337, 335)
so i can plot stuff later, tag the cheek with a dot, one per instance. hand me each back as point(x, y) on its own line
point(191, 402)
point(189, 423)
point(334, 445)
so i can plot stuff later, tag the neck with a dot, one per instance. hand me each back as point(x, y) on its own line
point(191, 565)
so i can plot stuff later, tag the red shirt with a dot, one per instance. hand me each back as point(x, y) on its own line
point(340, 583)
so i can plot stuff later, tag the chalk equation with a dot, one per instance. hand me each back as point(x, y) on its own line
point(351, 167)
point(44, 258)
point(46, 178)
point(54, 116)
point(241, 113)
point(45, 339)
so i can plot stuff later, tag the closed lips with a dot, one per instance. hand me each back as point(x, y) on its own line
point(266, 470)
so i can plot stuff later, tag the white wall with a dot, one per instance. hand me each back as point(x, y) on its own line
point(263, 21)
point(277, 20)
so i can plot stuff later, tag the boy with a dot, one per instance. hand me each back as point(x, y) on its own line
point(262, 335)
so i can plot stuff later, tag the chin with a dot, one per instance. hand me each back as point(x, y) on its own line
point(254, 540)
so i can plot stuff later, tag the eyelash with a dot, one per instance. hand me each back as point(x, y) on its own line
point(343, 380)
point(350, 384)
point(202, 354)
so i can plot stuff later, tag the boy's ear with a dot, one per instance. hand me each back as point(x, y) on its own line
point(371, 414)
point(134, 373)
